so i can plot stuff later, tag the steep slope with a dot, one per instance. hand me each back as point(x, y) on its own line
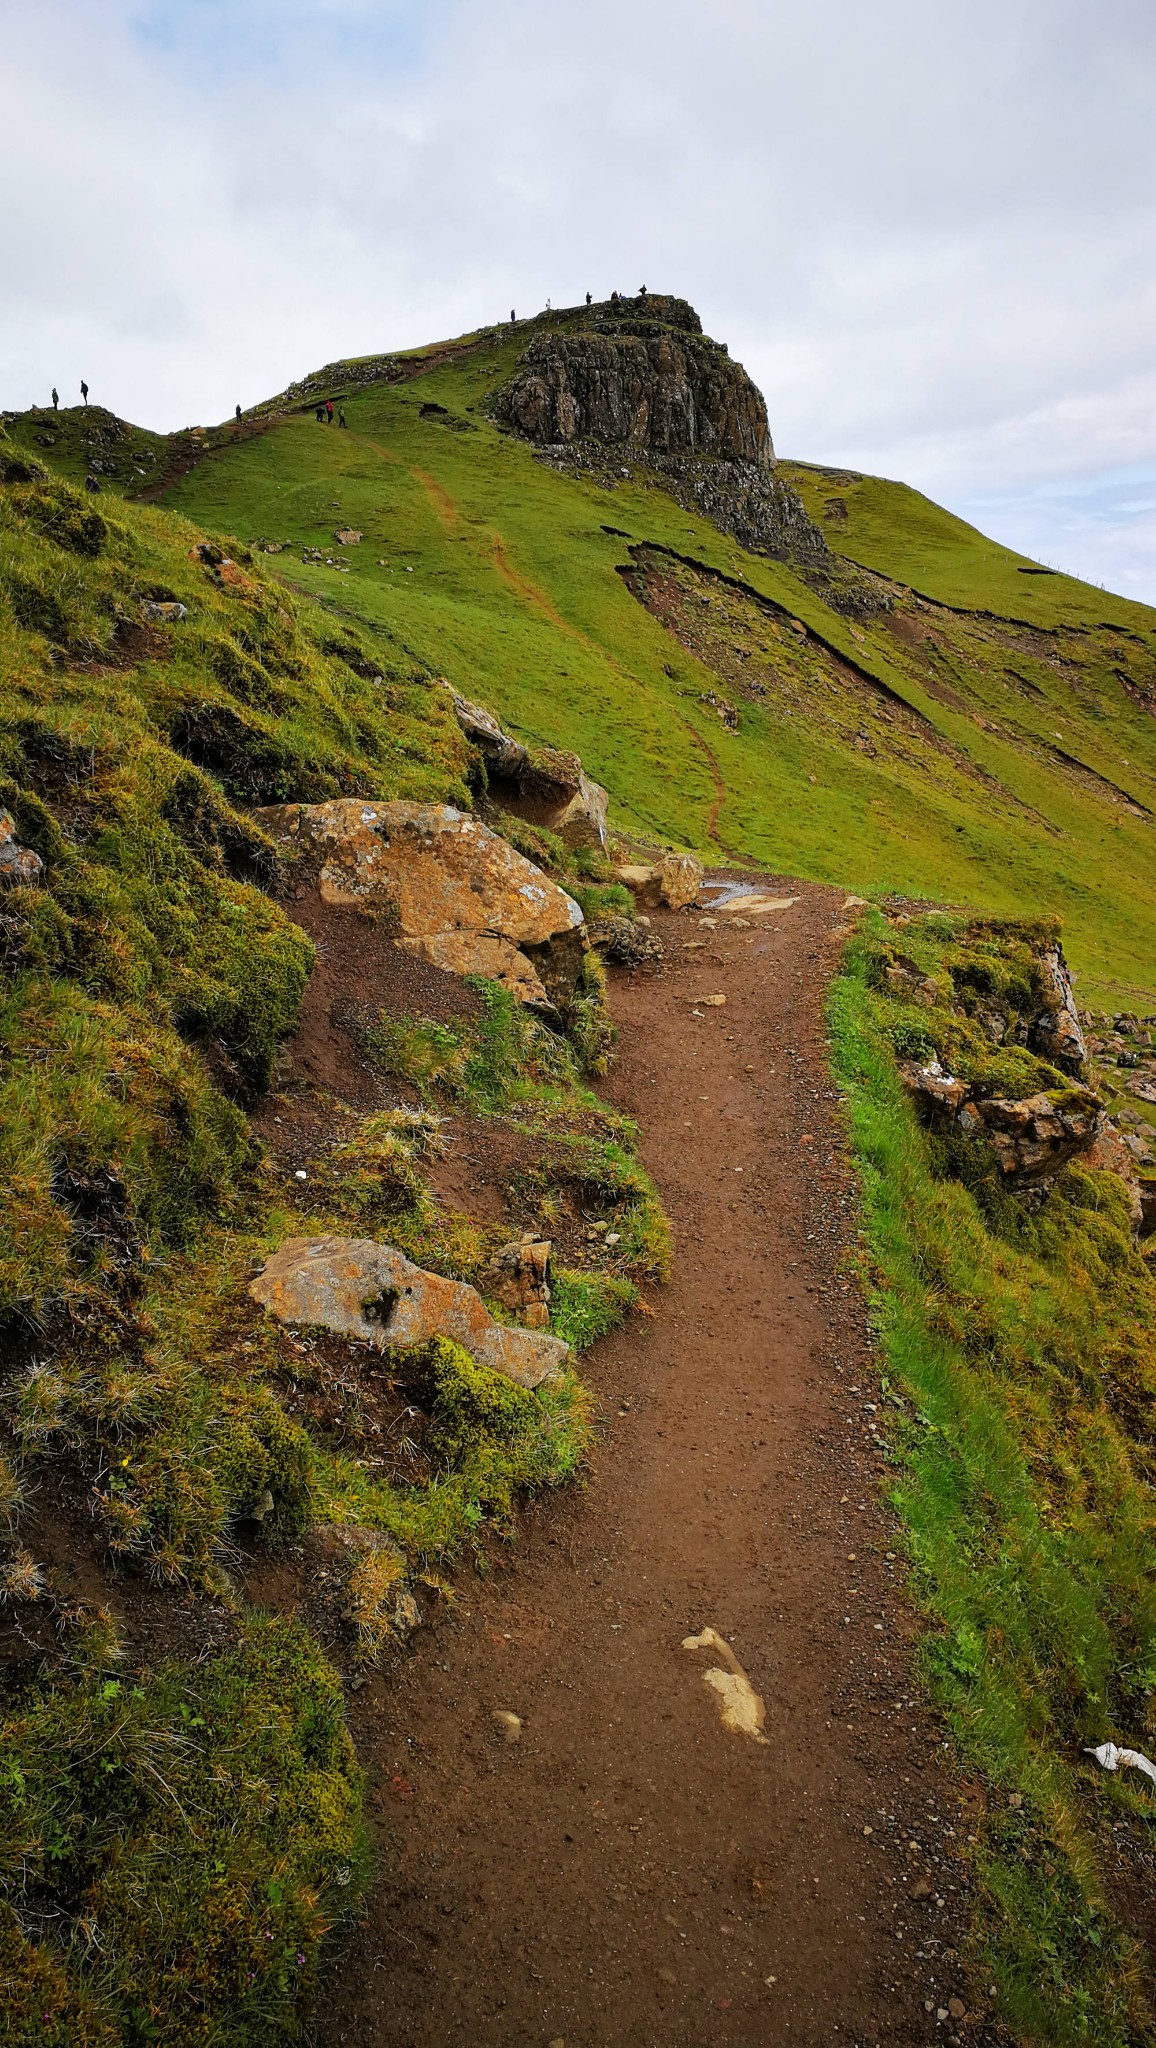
point(181, 1820)
point(1017, 758)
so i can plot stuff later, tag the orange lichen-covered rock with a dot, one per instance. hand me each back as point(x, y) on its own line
point(370, 1291)
point(460, 894)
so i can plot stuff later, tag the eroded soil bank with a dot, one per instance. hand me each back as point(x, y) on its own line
point(628, 1871)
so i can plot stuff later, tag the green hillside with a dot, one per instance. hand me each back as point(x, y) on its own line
point(905, 708)
point(1023, 771)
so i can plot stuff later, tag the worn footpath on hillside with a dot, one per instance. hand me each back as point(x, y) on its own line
point(628, 1871)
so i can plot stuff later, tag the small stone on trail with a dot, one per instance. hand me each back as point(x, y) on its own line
point(957, 2008)
point(508, 1725)
point(300, 1174)
point(667, 1977)
point(712, 1002)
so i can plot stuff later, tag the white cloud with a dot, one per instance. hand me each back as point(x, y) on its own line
point(925, 229)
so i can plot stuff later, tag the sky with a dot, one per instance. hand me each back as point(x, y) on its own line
point(926, 229)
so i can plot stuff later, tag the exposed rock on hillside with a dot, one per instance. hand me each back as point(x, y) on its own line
point(548, 786)
point(1056, 1033)
point(459, 894)
point(372, 1292)
point(643, 380)
point(655, 388)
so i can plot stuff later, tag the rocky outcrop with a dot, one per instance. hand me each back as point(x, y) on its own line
point(640, 380)
point(1033, 1139)
point(458, 894)
point(506, 757)
point(370, 1291)
point(658, 389)
point(554, 790)
point(19, 866)
point(1056, 1034)
point(548, 786)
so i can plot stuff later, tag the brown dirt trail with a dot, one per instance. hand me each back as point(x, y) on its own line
point(629, 1872)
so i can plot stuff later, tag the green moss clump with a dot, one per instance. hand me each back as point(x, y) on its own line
point(1020, 1347)
point(174, 1848)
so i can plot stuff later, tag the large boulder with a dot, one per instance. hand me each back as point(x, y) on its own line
point(1056, 1034)
point(1033, 1139)
point(370, 1291)
point(672, 882)
point(458, 893)
point(546, 787)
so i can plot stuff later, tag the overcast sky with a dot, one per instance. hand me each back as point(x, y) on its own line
point(926, 226)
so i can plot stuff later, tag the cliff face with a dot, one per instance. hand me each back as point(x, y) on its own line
point(644, 376)
point(640, 379)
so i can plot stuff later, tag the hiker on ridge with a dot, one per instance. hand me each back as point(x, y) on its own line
point(238, 415)
point(84, 390)
point(513, 316)
point(341, 416)
point(329, 412)
point(55, 399)
point(589, 300)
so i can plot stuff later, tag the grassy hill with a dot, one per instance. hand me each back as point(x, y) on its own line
point(923, 712)
point(996, 745)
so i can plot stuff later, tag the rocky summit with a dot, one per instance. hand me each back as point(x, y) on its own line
point(645, 383)
point(639, 378)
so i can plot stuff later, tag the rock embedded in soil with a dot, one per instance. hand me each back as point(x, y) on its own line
point(460, 895)
point(673, 881)
point(372, 1292)
point(1033, 1139)
point(18, 864)
point(1056, 1034)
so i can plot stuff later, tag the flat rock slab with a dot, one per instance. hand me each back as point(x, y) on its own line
point(370, 1291)
point(462, 896)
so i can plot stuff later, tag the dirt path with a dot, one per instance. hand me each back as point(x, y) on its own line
point(630, 1873)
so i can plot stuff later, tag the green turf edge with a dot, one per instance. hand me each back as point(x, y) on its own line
point(1064, 1970)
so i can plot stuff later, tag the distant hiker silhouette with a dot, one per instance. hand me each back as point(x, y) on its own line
point(90, 484)
point(341, 415)
point(55, 398)
point(84, 395)
point(513, 316)
point(589, 300)
point(614, 298)
point(329, 412)
point(320, 413)
point(238, 413)
point(642, 293)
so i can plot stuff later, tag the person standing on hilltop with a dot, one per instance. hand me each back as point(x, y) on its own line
point(589, 300)
point(55, 399)
point(238, 415)
point(513, 316)
point(642, 293)
point(84, 390)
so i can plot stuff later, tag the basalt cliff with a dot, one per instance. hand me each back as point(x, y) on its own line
point(637, 379)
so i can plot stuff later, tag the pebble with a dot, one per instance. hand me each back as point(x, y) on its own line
point(507, 1724)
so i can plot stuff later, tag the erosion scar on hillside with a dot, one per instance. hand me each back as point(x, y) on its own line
point(574, 1845)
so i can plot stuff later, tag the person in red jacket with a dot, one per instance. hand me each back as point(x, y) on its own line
point(329, 411)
